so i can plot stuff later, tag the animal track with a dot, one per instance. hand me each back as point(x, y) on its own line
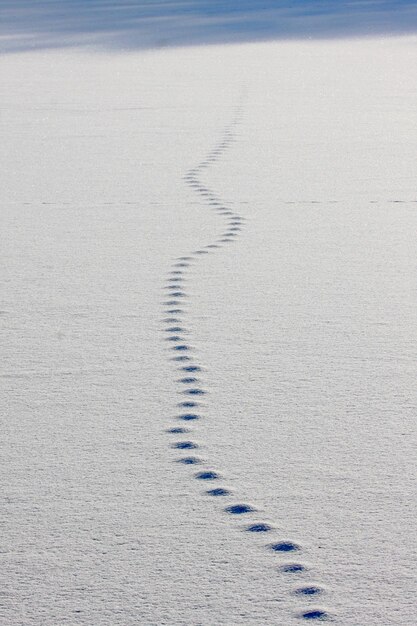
point(189, 417)
point(189, 460)
point(259, 528)
point(316, 614)
point(194, 392)
point(191, 410)
point(188, 404)
point(284, 546)
point(239, 509)
point(207, 476)
point(182, 347)
point(220, 491)
point(185, 445)
point(177, 430)
point(293, 568)
point(308, 591)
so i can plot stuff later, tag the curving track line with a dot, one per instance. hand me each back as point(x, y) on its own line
point(189, 409)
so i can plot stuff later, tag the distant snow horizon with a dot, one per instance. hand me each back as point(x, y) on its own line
point(136, 24)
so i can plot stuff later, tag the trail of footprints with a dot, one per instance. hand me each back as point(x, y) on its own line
point(191, 390)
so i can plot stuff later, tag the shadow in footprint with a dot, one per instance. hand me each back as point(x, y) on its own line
point(220, 491)
point(207, 476)
point(189, 404)
point(177, 430)
point(308, 591)
point(284, 546)
point(189, 460)
point(239, 509)
point(259, 528)
point(185, 445)
point(292, 568)
point(317, 614)
point(189, 417)
point(176, 286)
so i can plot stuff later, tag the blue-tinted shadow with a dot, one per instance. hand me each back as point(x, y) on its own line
point(131, 24)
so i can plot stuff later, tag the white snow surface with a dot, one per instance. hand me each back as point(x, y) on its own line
point(304, 325)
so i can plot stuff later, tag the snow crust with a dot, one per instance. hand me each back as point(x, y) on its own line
point(304, 327)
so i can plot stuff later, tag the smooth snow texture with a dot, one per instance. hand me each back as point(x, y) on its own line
point(304, 329)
